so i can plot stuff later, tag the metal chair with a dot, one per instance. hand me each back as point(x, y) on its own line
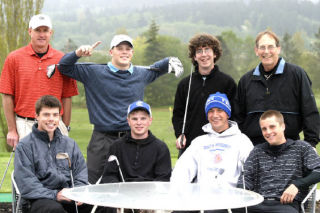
point(16, 196)
point(308, 205)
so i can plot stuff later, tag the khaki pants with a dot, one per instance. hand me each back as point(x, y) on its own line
point(24, 127)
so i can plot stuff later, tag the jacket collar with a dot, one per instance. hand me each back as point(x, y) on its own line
point(279, 70)
point(43, 135)
point(213, 71)
point(277, 149)
point(144, 141)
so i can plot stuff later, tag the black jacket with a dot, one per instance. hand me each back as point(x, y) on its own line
point(140, 160)
point(288, 91)
point(216, 81)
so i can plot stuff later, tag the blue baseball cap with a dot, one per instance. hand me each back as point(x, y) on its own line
point(139, 105)
point(218, 100)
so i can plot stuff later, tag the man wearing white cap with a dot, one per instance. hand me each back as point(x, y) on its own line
point(25, 78)
point(109, 91)
point(218, 155)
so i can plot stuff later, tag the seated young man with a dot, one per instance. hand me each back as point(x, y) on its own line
point(42, 159)
point(281, 169)
point(218, 154)
point(142, 157)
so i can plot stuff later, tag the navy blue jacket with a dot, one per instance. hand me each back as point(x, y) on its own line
point(37, 171)
point(288, 91)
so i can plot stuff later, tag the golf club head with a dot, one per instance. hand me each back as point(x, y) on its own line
point(62, 156)
point(51, 70)
point(113, 158)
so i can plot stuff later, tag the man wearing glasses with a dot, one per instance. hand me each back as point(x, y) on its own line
point(204, 52)
point(278, 85)
point(25, 79)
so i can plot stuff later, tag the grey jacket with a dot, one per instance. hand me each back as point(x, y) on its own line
point(269, 170)
point(37, 171)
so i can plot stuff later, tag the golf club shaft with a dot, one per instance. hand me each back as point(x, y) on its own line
point(118, 164)
point(5, 172)
point(139, 66)
point(72, 183)
point(186, 109)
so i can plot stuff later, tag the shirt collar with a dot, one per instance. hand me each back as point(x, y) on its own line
point(30, 51)
point(114, 69)
point(278, 71)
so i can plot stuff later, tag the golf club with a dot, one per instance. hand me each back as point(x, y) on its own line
point(244, 183)
point(62, 156)
point(51, 69)
point(5, 172)
point(114, 158)
point(186, 109)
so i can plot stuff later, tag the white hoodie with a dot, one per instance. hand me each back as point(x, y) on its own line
point(214, 157)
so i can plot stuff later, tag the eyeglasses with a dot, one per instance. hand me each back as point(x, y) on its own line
point(205, 51)
point(269, 48)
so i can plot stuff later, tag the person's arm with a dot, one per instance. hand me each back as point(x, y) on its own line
point(309, 111)
point(66, 117)
point(24, 172)
point(8, 108)
point(311, 164)
point(239, 111)
point(162, 169)
point(249, 173)
point(186, 167)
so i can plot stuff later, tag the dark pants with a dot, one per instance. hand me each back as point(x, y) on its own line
point(97, 152)
point(272, 206)
point(52, 206)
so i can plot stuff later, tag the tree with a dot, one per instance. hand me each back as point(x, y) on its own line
point(291, 48)
point(316, 45)
point(154, 50)
point(161, 92)
point(14, 20)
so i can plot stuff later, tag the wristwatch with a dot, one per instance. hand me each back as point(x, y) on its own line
point(68, 128)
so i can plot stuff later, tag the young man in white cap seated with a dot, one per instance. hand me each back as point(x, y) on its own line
point(219, 154)
point(110, 88)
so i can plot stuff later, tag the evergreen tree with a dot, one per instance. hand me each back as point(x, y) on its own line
point(154, 50)
point(316, 45)
point(289, 49)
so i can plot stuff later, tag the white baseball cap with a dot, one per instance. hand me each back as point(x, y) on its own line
point(40, 20)
point(117, 39)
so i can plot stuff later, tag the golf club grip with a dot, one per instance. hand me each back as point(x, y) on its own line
point(181, 140)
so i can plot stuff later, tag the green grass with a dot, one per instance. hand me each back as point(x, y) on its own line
point(81, 130)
